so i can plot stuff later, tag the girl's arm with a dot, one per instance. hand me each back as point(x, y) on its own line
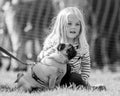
point(47, 50)
point(85, 66)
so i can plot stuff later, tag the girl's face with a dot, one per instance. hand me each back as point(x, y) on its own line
point(73, 27)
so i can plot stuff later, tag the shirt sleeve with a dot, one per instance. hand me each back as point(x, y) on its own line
point(47, 50)
point(85, 66)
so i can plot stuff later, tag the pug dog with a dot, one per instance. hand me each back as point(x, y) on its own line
point(47, 73)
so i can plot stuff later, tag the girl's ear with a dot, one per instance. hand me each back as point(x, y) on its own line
point(61, 46)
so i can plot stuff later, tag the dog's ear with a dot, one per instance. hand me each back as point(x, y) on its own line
point(61, 46)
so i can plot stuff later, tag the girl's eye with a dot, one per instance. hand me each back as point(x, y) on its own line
point(69, 23)
point(78, 24)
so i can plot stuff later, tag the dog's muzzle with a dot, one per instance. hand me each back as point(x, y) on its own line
point(71, 52)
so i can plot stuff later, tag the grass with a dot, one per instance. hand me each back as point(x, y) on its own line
point(109, 79)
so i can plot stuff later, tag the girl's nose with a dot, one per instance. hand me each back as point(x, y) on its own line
point(73, 26)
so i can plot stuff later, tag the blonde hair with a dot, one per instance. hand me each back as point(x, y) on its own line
point(58, 33)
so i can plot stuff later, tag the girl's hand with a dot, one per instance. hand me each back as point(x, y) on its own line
point(88, 86)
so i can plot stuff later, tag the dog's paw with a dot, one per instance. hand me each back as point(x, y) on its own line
point(99, 88)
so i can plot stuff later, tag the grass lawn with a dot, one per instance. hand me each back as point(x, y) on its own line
point(110, 80)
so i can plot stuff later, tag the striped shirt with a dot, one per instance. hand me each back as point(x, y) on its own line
point(79, 64)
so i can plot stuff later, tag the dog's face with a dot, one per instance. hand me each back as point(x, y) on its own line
point(67, 49)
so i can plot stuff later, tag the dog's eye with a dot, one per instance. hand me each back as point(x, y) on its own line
point(70, 46)
point(61, 46)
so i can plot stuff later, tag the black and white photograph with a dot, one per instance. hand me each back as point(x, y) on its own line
point(59, 47)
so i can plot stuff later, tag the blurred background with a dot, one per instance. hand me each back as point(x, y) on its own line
point(24, 25)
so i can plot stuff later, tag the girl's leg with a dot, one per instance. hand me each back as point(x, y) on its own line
point(77, 80)
point(70, 78)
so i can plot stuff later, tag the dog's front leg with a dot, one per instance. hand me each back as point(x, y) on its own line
point(52, 81)
point(59, 78)
point(58, 82)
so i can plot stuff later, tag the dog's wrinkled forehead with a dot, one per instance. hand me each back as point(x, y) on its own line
point(70, 50)
point(62, 46)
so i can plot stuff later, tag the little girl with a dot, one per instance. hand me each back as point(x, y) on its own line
point(69, 27)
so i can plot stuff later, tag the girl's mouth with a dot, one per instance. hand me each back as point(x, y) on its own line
point(72, 32)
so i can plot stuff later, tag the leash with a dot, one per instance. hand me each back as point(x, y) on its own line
point(11, 55)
